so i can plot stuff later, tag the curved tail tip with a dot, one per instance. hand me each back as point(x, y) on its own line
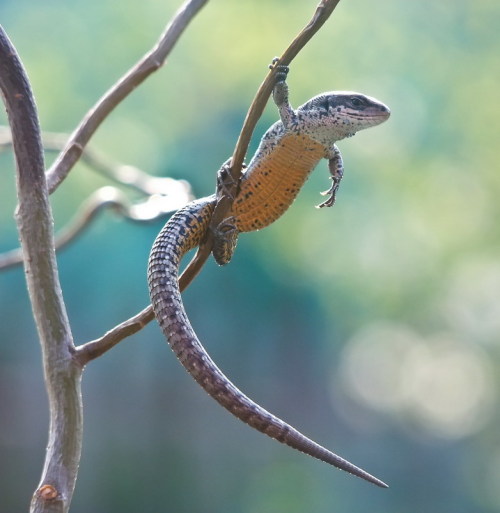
point(380, 483)
point(363, 474)
point(373, 479)
point(352, 469)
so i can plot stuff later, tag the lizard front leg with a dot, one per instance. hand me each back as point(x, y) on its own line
point(280, 96)
point(336, 167)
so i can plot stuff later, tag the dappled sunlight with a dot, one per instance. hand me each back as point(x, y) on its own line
point(440, 385)
point(364, 241)
point(471, 303)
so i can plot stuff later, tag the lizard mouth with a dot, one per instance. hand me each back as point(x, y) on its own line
point(371, 114)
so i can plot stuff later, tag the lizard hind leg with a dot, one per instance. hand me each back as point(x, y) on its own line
point(225, 239)
point(225, 234)
point(226, 184)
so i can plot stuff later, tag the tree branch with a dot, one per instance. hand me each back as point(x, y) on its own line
point(123, 174)
point(35, 224)
point(34, 219)
point(147, 211)
point(225, 201)
point(153, 60)
point(95, 348)
point(98, 347)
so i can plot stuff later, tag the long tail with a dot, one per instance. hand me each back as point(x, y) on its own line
point(183, 232)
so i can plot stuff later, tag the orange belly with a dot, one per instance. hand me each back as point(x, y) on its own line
point(269, 188)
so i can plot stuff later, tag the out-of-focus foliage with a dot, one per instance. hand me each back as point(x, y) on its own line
point(374, 327)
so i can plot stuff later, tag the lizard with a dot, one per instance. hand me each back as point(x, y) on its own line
point(286, 155)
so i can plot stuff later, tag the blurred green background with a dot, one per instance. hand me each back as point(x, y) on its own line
point(373, 327)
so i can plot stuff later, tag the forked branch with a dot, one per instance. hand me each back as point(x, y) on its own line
point(95, 348)
point(105, 198)
point(34, 218)
point(123, 174)
point(98, 347)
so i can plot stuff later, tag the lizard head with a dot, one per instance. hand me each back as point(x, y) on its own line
point(336, 115)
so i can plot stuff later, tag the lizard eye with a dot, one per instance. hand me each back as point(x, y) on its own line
point(356, 102)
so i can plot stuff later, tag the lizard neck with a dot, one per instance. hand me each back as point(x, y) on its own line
point(273, 180)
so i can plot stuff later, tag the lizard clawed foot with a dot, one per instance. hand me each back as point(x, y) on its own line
point(280, 92)
point(281, 71)
point(332, 192)
point(225, 239)
point(226, 184)
point(336, 168)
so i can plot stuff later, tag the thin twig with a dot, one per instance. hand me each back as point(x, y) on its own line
point(123, 174)
point(104, 198)
point(225, 201)
point(98, 347)
point(34, 219)
point(95, 348)
point(148, 64)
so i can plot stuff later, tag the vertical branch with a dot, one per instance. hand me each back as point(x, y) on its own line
point(34, 219)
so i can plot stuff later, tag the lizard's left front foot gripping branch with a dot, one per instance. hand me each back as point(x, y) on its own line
point(288, 152)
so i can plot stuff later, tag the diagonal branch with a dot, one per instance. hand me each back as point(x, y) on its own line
point(98, 347)
point(123, 174)
point(153, 60)
point(323, 11)
point(95, 348)
point(225, 202)
point(34, 219)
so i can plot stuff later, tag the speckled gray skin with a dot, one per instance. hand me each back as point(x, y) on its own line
point(325, 118)
point(288, 152)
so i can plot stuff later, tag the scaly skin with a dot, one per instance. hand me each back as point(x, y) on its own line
point(288, 152)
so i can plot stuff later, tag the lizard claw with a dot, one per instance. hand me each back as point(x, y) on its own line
point(274, 62)
point(225, 181)
point(225, 238)
point(332, 192)
point(281, 71)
